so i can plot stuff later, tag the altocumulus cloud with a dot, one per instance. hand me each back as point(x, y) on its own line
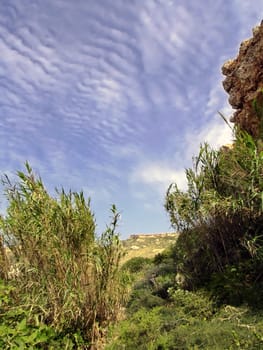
point(115, 97)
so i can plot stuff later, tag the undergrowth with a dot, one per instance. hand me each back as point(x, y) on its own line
point(181, 319)
point(206, 292)
point(62, 286)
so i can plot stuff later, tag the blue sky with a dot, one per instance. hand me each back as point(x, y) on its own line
point(114, 97)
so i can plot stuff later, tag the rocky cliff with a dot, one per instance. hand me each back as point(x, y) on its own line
point(244, 82)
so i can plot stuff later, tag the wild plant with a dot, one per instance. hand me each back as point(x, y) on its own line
point(67, 276)
point(220, 214)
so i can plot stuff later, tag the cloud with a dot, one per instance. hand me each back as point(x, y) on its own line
point(110, 97)
point(249, 16)
point(215, 133)
point(158, 176)
point(89, 80)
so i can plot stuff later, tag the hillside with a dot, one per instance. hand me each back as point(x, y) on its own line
point(147, 245)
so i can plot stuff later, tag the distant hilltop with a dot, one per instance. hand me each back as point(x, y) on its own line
point(148, 244)
point(152, 235)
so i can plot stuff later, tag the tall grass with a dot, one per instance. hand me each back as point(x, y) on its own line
point(220, 217)
point(63, 272)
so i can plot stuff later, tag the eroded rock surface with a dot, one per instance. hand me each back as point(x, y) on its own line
point(244, 81)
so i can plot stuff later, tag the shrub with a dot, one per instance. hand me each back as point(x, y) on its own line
point(220, 213)
point(143, 299)
point(66, 275)
point(197, 305)
point(17, 333)
point(136, 264)
point(141, 331)
point(190, 322)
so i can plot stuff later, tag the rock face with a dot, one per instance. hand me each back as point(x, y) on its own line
point(244, 82)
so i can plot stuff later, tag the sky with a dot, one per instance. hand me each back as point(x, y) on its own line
point(115, 97)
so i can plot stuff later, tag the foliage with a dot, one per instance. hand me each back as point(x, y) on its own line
point(181, 302)
point(17, 333)
point(196, 304)
point(238, 284)
point(223, 182)
point(165, 258)
point(182, 320)
point(190, 321)
point(136, 264)
point(220, 214)
point(150, 289)
point(63, 273)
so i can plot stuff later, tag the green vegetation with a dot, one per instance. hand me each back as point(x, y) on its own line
point(63, 287)
point(221, 222)
point(173, 328)
point(161, 315)
point(16, 332)
point(136, 264)
point(206, 291)
point(64, 281)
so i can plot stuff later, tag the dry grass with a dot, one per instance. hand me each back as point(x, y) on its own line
point(147, 245)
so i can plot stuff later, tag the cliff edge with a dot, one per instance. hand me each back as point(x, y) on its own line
point(244, 81)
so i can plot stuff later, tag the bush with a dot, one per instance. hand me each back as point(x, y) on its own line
point(190, 322)
point(163, 257)
point(235, 285)
point(17, 333)
point(136, 264)
point(151, 289)
point(141, 331)
point(220, 215)
point(143, 299)
point(196, 304)
point(65, 275)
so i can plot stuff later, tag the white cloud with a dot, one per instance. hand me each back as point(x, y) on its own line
point(113, 87)
point(216, 133)
point(158, 176)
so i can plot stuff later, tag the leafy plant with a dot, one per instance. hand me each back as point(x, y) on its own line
point(190, 321)
point(136, 264)
point(65, 275)
point(220, 214)
point(16, 332)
